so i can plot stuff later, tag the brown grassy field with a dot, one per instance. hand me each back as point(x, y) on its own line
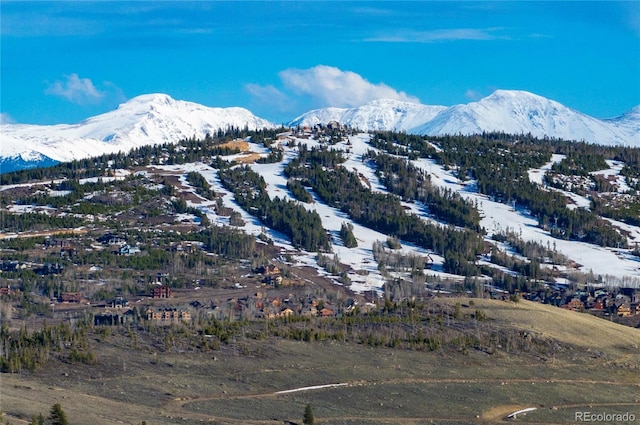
point(239, 384)
point(578, 329)
point(249, 158)
point(241, 145)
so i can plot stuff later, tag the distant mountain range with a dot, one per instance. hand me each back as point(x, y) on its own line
point(157, 118)
point(509, 111)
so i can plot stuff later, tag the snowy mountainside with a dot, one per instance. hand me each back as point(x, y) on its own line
point(509, 111)
point(364, 274)
point(518, 112)
point(629, 120)
point(143, 120)
point(380, 114)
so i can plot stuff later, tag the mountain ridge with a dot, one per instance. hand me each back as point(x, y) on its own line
point(157, 118)
point(509, 111)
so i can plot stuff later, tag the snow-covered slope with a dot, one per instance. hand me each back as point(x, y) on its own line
point(143, 120)
point(509, 111)
point(630, 120)
point(519, 112)
point(381, 114)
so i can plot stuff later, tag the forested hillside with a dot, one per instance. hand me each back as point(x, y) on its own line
point(513, 212)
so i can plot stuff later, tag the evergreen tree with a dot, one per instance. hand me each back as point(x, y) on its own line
point(347, 236)
point(308, 418)
point(57, 416)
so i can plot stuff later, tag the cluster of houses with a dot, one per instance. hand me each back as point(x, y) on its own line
point(261, 306)
point(120, 244)
point(41, 269)
point(624, 302)
point(161, 316)
point(321, 128)
point(256, 306)
point(67, 250)
point(119, 311)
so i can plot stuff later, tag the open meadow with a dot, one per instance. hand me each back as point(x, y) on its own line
point(267, 381)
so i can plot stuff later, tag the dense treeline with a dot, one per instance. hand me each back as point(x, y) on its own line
point(409, 145)
point(303, 227)
point(412, 184)
point(273, 157)
point(340, 188)
point(580, 163)
point(501, 170)
point(33, 221)
point(229, 242)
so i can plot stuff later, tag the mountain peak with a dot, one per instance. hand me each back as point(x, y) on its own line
point(514, 93)
point(147, 102)
point(152, 98)
point(517, 96)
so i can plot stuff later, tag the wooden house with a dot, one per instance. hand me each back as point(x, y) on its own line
point(127, 249)
point(161, 291)
point(326, 312)
point(624, 310)
point(168, 315)
point(113, 318)
point(71, 297)
point(119, 303)
point(270, 270)
point(575, 304)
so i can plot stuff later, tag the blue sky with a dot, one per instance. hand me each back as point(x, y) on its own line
point(63, 62)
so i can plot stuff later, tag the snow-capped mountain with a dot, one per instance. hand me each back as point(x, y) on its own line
point(143, 120)
point(381, 114)
point(509, 111)
point(157, 118)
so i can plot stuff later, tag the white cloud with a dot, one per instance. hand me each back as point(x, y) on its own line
point(434, 36)
point(334, 87)
point(6, 118)
point(76, 90)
